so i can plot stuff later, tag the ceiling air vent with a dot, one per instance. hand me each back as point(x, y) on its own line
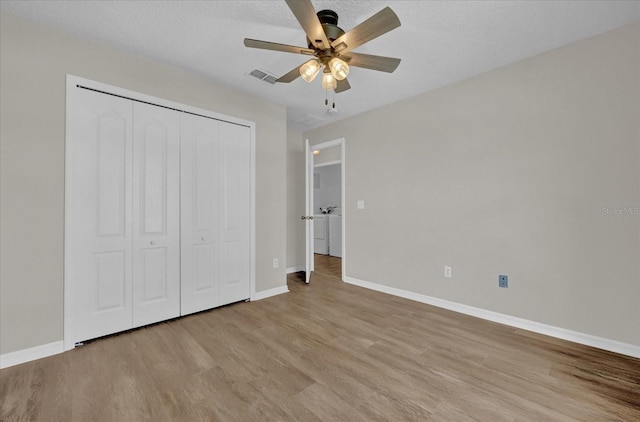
point(263, 76)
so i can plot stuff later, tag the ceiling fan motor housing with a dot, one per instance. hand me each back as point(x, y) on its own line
point(329, 21)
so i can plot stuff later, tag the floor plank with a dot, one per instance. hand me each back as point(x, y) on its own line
point(326, 351)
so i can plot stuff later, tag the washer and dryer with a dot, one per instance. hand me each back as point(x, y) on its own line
point(321, 234)
point(335, 235)
point(327, 230)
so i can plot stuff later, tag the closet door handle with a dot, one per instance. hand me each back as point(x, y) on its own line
point(307, 217)
point(153, 242)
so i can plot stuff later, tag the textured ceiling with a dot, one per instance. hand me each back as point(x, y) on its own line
point(439, 42)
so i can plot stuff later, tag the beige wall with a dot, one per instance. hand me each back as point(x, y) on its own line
point(295, 200)
point(34, 61)
point(508, 173)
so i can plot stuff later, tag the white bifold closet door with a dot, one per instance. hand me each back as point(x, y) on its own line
point(215, 189)
point(156, 214)
point(124, 234)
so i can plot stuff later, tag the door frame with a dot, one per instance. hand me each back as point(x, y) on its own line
point(309, 166)
point(72, 84)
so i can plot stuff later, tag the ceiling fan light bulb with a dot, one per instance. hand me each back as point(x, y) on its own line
point(339, 69)
point(329, 82)
point(310, 69)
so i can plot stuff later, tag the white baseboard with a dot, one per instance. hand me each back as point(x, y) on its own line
point(268, 293)
point(56, 347)
point(294, 269)
point(32, 353)
point(536, 327)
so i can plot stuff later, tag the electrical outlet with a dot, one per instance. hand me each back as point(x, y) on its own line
point(360, 204)
point(447, 271)
point(275, 263)
point(503, 281)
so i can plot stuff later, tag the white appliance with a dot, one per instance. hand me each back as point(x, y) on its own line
point(335, 235)
point(320, 234)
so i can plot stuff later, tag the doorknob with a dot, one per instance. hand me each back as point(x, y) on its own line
point(153, 242)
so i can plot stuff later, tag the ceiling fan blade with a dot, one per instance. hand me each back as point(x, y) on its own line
point(369, 61)
point(378, 24)
point(343, 85)
point(291, 76)
point(266, 45)
point(305, 13)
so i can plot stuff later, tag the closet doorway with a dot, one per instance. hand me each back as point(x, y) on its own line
point(159, 210)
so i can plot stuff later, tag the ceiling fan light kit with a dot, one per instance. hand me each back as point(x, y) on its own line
point(339, 69)
point(331, 46)
point(310, 69)
point(329, 82)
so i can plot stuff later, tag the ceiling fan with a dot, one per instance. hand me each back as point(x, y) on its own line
point(331, 47)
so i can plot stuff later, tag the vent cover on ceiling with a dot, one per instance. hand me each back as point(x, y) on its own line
point(263, 76)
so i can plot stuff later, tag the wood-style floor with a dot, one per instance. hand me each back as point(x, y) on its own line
point(325, 351)
point(328, 265)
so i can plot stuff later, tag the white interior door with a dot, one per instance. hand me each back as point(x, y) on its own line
point(156, 214)
point(235, 212)
point(216, 213)
point(100, 142)
point(200, 285)
point(308, 209)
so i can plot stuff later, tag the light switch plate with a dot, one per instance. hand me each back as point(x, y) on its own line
point(360, 205)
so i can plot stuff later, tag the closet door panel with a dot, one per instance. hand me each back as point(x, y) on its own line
point(111, 151)
point(200, 287)
point(99, 174)
point(235, 206)
point(204, 274)
point(156, 211)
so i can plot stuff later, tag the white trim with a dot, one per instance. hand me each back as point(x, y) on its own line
point(536, 327)
point(134, 95)
point(71, 85)
point(328, 144)
point(32, 353)
point(343, 207)
point(294, 269)
point(68, 307)
point(270, 292)
point(328, 163)
point(252, 222)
